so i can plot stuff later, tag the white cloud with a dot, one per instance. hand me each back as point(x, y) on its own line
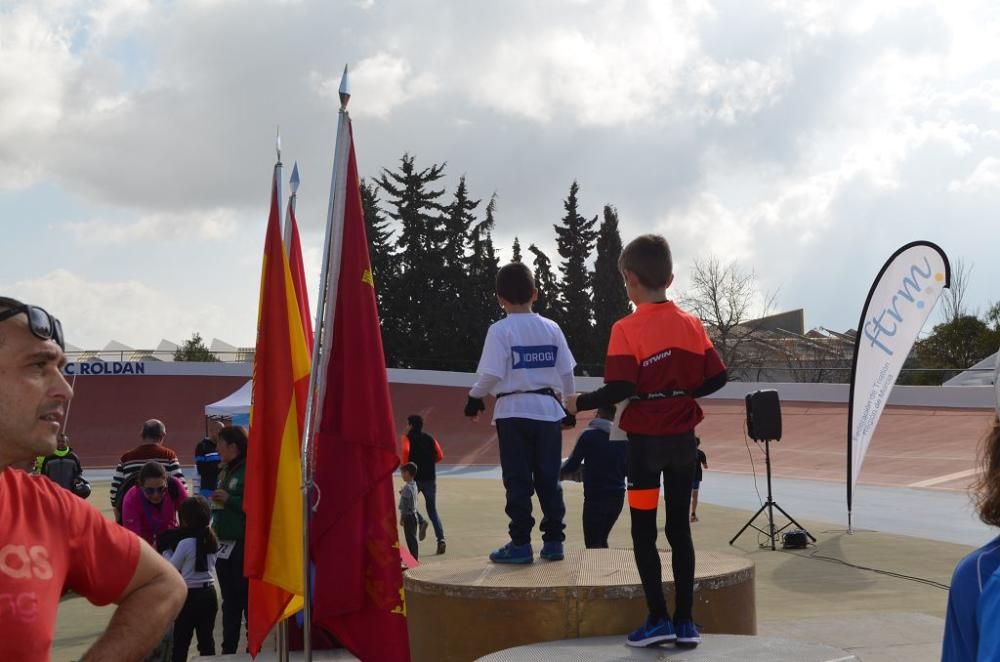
point(384, 81)
point(130, 311)
point(985, 177)
point(210, 225)
point(36, 66)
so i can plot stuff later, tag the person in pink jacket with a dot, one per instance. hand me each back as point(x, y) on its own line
point(150, 506)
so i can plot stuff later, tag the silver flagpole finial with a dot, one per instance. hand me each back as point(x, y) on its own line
point(345, 90)
point(277, 142)
point(293, 181)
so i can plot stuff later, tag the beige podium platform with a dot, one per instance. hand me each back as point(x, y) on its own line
point(713, 648)
point(467, 608)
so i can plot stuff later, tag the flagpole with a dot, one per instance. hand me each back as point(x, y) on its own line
point(322, 330)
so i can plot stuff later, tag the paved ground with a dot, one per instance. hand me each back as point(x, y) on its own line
point(810, 594)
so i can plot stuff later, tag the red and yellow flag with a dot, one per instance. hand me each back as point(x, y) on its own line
point(299, 276)
point(272, 501)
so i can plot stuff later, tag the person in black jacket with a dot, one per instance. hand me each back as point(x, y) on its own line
point(603, 464)
point(424, 450)
point(63, 468)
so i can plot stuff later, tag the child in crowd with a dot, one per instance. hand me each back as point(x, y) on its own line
point(408, 507)
point(696, 483)
point(63, 468)
point(659, 359)
point(424, 451)
point(527, 364)
point(603, 464)
point(192, 550)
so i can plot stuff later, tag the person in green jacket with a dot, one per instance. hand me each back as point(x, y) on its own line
point(229, 522)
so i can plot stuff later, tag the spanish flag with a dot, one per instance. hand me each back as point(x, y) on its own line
point(273, 559)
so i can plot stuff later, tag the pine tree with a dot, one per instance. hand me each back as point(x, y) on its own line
point(516, 250)
point(416, 208)
point(547, 303)
point(483, 267)
point(383, 260)
point(456, 290)
point(610, 298)
point(195, 350)
point(575, 240)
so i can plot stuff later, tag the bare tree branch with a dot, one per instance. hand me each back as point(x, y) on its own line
point(728, 300)
point(953, 297)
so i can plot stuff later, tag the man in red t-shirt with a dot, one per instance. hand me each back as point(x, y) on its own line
point(50, 540)
point(659, 359)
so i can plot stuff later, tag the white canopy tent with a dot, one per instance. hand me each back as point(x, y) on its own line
point(234, 404)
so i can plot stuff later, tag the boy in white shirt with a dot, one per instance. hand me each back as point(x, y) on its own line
point(527, 364)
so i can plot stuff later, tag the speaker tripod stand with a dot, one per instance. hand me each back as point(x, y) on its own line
point(769, 506)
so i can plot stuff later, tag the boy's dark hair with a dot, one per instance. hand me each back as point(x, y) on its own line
point(607, 412)
point(409, 468)
point(515, 283)
point(416, 422)
point(648, 257)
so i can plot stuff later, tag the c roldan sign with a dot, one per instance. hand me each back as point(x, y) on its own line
point(105, 368)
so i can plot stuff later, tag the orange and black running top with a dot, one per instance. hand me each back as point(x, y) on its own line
point(662, 350)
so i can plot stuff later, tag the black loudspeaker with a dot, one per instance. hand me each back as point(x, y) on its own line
point(794, 539)
point(764, 415)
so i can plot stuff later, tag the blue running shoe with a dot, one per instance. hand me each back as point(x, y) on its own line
point(687, 634)
point(652, 633)
point(552, 551)
point(511, 553)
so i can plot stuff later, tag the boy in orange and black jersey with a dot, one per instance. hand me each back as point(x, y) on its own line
point(659, 359)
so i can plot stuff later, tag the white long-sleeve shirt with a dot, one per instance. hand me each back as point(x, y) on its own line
point(184, 557)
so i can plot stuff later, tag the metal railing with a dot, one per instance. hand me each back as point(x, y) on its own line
point(763, 372)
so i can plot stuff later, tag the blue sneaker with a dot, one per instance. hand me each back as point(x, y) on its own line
point(687, 634)
point(552, 551)
point(511, 553)
point(652, 633)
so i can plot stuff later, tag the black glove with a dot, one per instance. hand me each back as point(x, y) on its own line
point(473, 406)
point(569, 421)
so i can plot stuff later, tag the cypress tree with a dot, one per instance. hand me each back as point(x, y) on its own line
point(456, 288)
point(383, 260)
point(414, 205)
point(516, 251)
point(610, 298)
point(575, 240)
point(483, 266)
point(547, 303)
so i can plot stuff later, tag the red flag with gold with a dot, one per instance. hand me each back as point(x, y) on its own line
point(354, 538)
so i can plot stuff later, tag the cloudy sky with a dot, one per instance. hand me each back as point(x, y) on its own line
point(805, 139)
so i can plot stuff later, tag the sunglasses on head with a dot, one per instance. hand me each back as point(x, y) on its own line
point(153, 491)
point(41, 324)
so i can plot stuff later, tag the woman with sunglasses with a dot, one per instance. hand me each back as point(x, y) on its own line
point(150, 507)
